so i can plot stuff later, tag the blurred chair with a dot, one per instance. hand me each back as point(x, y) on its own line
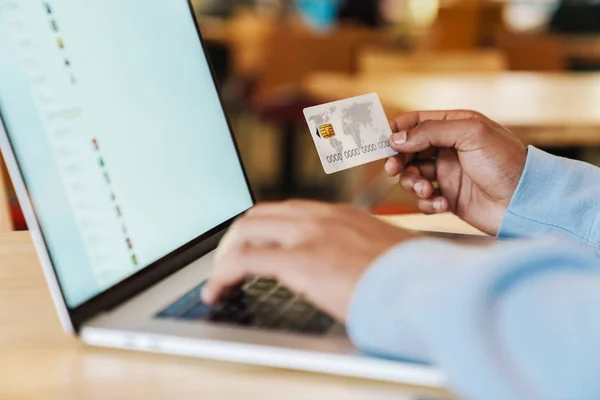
point(248, 35)
point(457, 27)
point(528, 52)
point(379, 61)
point(292, 54)
point(491, 21)
point(5, 219)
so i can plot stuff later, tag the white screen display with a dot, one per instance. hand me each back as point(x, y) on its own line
point(116, 123)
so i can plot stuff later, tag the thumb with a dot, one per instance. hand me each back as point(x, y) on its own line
point(442, 134)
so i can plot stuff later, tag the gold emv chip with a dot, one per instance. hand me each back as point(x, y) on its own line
point(327, 131)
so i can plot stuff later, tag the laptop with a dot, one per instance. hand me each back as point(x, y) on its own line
point(128, 175)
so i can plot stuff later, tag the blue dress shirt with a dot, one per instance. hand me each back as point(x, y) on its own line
point(519, 319)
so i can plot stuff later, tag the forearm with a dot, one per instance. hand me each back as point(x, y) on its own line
point(479, 313)
point(557, 197)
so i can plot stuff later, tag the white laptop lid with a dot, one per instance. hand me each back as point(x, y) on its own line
point(117, 142)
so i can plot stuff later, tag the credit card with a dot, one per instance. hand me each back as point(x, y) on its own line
point(350, 132)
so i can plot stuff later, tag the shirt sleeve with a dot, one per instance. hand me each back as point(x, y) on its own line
point(556, 196)
point(512, 320)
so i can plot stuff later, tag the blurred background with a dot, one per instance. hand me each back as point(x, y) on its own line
point(532, 65)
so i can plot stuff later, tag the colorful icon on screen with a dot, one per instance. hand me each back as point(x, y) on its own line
point(118, 212)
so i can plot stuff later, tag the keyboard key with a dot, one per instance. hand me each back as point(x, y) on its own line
point(319, 323)
point(255, 293)
point(248, 282)
point(284, 324)
point(276, 302)
point(271, 307)
point(263, 285)
point(282, 294)
point(287, 323)
point(299, 307)
point(259, 303)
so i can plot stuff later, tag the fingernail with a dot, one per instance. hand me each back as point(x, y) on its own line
point(419, 188)
point(205, 296)
point(399, 138)
point(437, 205)
point(388, 166)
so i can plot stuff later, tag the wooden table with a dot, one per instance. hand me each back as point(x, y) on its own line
point(39, 361)
point(433, 223)
point(543, 109)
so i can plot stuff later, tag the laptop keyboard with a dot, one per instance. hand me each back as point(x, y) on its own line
point(259, 303)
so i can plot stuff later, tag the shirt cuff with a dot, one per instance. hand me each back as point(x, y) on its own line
point(556, 197)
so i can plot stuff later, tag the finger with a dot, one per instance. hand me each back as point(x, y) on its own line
point(444, 134)
point(413, 182)
point(427, 170)
point(409, 178)
point(248, 262)
point(428, 154)
point(435, 205)
point(395, 165)
point(272, 231)
point(410, 120)
point(424, 189)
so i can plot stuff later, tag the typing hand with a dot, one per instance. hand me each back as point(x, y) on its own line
point(476, 162)
point(317, 250)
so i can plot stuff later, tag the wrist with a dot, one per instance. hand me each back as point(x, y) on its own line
point(490, 216)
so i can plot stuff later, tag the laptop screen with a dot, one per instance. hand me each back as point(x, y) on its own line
point(117, 127)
